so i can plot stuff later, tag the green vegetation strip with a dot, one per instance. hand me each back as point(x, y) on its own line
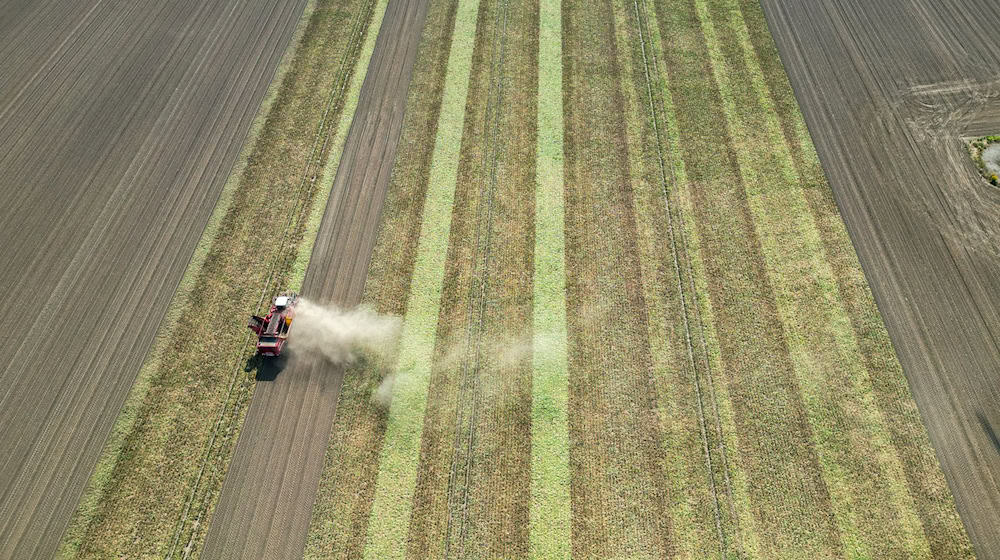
point(389, 521)
point(550, 503)
point(98, 484)
point(863, 473)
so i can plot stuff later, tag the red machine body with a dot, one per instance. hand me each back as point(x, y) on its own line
point(272, 330)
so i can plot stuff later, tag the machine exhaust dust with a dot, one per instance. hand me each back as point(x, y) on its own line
point(342, 336)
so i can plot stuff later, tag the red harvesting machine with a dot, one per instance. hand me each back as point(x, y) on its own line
point(272, 330)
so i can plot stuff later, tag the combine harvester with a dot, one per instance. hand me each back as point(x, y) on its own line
point(272, 330)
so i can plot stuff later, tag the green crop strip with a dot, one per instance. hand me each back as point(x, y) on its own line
point(854, 447)
point(389, 520)
point(550, 501)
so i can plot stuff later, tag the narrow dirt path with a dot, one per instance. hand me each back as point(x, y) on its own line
point(266, 500)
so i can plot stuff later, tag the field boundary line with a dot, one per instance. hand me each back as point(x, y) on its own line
point(846, 345)
point(390, 513)
point(316, 162)
point(100, 477)
point(550, 511)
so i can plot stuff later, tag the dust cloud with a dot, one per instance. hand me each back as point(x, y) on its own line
point(342, 336)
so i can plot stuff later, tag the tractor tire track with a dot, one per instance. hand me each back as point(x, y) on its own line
point(466, 437)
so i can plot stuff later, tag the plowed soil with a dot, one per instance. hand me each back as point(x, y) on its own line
point(888, 93)
point(119, 124)
point(267, 498)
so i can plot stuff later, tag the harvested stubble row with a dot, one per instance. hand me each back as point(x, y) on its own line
point(157, 484)
point(701, 496)
point(619, 494)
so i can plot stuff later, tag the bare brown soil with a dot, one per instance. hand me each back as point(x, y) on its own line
point(887, 95)
point(119, 124)
point(264, 509)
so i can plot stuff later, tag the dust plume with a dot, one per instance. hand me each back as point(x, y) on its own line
point(342, 336)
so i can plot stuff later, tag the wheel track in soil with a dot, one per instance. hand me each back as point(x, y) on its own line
point(474, 331)
point(238, 396)
point(666, 187)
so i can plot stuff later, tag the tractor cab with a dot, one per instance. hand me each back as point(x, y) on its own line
point(272, 329)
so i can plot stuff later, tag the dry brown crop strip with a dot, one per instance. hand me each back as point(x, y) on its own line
point(758, 371)
point(292, 229)
point(618, 491)
point(340, 516)
point(666, 187)
point(476, 313)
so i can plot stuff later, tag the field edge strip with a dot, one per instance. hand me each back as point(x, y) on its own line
point(845, 345)
point(550, 526)
point(243, 395)
point(100, 477)
point(390, 514)
point(328, 169)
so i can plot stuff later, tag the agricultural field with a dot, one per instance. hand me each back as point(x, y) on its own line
point(161, 475)
point(627, 315)
point(891, 123)
point(119, 123)
point(634, 322)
